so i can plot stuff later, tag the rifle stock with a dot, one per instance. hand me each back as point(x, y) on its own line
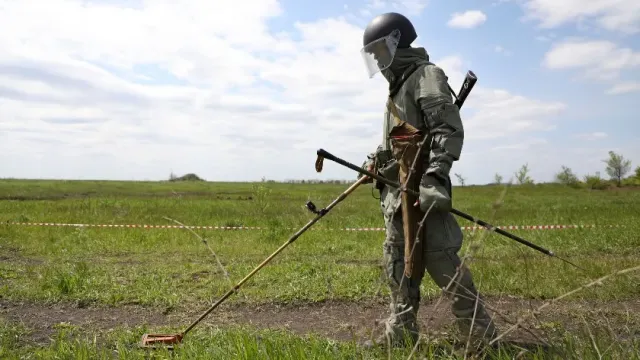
point(469, 82)
point(467, 85)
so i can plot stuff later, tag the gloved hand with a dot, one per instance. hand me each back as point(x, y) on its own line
point(431, 189)
point(368, 165)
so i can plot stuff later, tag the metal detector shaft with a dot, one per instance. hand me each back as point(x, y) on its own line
point(323, 153)
point(293, 238)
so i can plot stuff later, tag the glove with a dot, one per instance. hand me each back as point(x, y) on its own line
point(431, 189)
point(368, 165)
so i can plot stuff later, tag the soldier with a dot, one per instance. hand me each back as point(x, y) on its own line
point(419, 98)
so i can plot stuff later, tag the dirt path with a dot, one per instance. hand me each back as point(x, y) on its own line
point(337, 320)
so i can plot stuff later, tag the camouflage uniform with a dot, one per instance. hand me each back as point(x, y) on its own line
point(425, 91)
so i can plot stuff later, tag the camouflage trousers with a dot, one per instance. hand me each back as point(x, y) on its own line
point(442, 241)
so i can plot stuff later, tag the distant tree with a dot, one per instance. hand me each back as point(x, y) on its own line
point(461, 180)
point(497, 179)
point(186, 177)
point(637, 173)
point(617, 167)
point(567, 177)
point(522, 175)
point(594, 182)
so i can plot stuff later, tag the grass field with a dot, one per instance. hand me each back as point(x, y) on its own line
point(85, 292)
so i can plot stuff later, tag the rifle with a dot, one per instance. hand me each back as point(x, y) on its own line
point(469, 82)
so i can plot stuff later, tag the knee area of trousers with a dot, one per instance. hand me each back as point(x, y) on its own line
point(444, 256)
point(442, 266)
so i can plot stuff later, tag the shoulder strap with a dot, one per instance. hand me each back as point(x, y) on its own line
point(394, 88)
point(394, 111)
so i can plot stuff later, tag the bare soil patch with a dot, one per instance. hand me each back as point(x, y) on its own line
point(14, 255)
point(351, 320)
point(42, 319)
point(339, 320)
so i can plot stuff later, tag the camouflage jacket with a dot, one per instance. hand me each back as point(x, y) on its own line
point(424, 101)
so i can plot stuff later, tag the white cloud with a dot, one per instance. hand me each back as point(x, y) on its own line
point(500, 114)
point(615, 15)
point(406, 7)
point(172, 89)
point(467, 20)
point(520, 145)
point(499, 2)
point(500, 50)
point(546, 38)
point(586, 53)
point(599, 59)
point(624, 88)
point(413, 7)
point(592, 136)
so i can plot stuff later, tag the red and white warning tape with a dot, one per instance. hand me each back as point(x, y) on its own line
point(206, 227)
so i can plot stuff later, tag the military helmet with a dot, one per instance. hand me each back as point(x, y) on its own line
point(383, 25)
point(383, 35)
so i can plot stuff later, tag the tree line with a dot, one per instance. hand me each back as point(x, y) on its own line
point(617, 168)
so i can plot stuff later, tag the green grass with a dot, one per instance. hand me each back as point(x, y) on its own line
point(171, 268)
point(69, 342)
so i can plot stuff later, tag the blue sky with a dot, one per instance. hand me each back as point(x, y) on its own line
point(237, 96)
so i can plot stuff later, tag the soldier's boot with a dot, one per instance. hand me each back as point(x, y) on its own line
point(474, 324)
point(402, 324)
point(473, 321)
point(400, 336)
point(401, 327)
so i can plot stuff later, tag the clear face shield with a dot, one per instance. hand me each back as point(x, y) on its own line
point(378, 54)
